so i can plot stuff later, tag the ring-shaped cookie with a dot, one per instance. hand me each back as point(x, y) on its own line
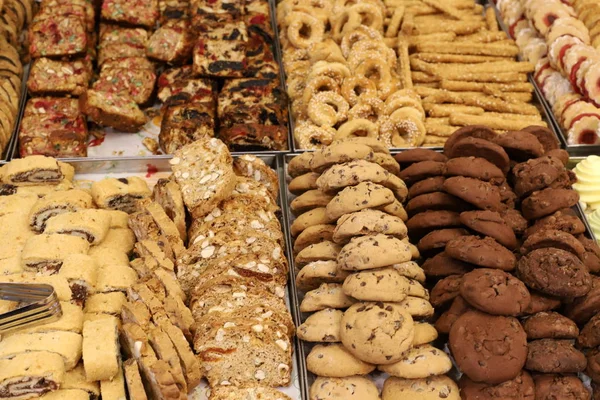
point(345, 23)
point(377, 46)
point(404, 128)
point(394, 102)
point(337, 71)
point(327, 109)
point(356, 87)
point(379, 72)
point(357, 128)
point(309, 136)
point(304, 29)
point(318, 84)
point(370, 15)
point(362, 32)
point(370, 108)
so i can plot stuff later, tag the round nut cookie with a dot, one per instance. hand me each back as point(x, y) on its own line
point(328, 295)
point(373, 251)
point(377, 333)
point(550, 325)
point(550, 386)
point(553, 238)
point(309, 200)
point(408, 157)
point(323, 251)
point(562, 220)
point(436, 240)
point(554, 356)
point(515, 220)
point(475, 131)
point(335, 361)
point(359, 197)
point(424, 333)
point(593, 365)
point(422, 170)
point(338, 154)
point(322, 326)
point(432, 388)
point(484, 252)
point(419, 362)
point(377, 285)
point(349, 388)
point(313, 274)
point(300, 165)
point(495, 292)
point(367, 222)
point(473, 167)
point(591, 257)
point(548, 201)
point(445, 290)
point(536, 174)
point(313, 235)
point(443, 265)
point(540, 302)
point(469, 339)
point(481, 194)
point(303, 183)
point(590, 333)
point(490, 223)
point(316, 216)
point(429, 185)
point(519, 388)
point(555, 272)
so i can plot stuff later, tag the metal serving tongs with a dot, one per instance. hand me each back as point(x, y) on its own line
point(38, 304)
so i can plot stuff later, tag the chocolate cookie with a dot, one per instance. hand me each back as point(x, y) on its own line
point(519, 388)
point(422, 170)
point(412, 156)
point(445, 290)
point(555, 272)
point(422, 223)
point(475, 131)
point(585, 307)
point(436, 201)
point(515, 220)
point(475, 147)
point(447, 319)
point(559, 154)
point(590, 333)
point(550, 325)
point(507, 196)
point(550, 387)
point(437, 240)
point(536, 174)
point(591, 257)
point(482, 195)
point(548, 201)
point(520, 145)
point(553, 238)
point(444, 265)
point(561, 220)
point(554, 357)
point(541, 302)
point(484, 252)
point(487, 348)
point(473, 167)
point(495, 292)
point(593, 365)
point(490, 223)
point(429, 185)
point(545, 136)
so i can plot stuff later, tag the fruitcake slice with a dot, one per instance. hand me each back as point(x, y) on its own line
point(260, 52)
point(173, 10)
point(186, 123)
point(131, 12)
point(57, 36)
point(128, 63)
point(87, 5)
point(135, 83)
point(188, 91)
point(222, 52)
point(172, 42)
point(60, 78)
point(255, 136)
point(117, 42)
point(41, 106)
point(235, 8)
point(115, 110)
point(77, 10)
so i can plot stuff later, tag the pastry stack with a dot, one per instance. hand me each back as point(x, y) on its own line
point(365, 295)
point(234, 270)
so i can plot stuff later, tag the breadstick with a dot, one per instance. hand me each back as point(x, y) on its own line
point(482, 49)
point(445, 110)
point(461, 86)
point(445, 7)
point(442, 18)
point(458, 75)
point(439, 130)
point(435, 141)
point(423, 77)
point(434, 37)
point(456, 58)
point(516, 117)
point(458, 27)
point(392, 43)
point(491, 20)
point(394, 25)
point(435, 85)
point(493, 122)
point(509, 96)
point(408, 25)
point(425, 91)
point(489, 67)
point(439, 121)
point(488, 103)
point(483, 37)
point(404, 63)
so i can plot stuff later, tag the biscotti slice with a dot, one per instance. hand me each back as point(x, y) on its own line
point(66, 344)
point(185, 123)
point(166, 192)
point(70, 321)
point(134, 342)
point(55, 203)
point(164, 349)
point(74, 9)
point(172, 42)
point(114, 110)
point(136, 13)
point(75, 379)
point(161, 384)
point(189, 362)
point(120, 194)
point(100, 349)
point(254, 392)
point(115, 278)
point(120, 239)
point(137, 84)
point(81, 271)
point(133, 379)
point(90, 15)
point(255, 168)
point(67, 394)
point(45, 253)
point(167, 227)
point(114, 389)
point(33, 170)
point(135, 312)
point(87, 224)
point(204, 172)
point(106, 303)
point(150, 250)
point(59, 78)
point(30, 375)
point(57, 36)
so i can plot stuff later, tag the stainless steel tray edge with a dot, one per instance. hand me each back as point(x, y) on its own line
point(13, 143)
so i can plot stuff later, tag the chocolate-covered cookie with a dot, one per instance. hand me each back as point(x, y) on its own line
point(422, 223)
point(444, 265)
point(519, 388)
point(436, 201)
point(485, 252)
point(544, 135)
point(476, 131)
point(552, 356)
point(590, 333)
point(553, 238)
point(520, 145)
point(591, 257)
point(422, 170)
point(412, 156)
point(490, 223)
point(482, 195)
point(458, 307)
point(515, 220)
point(436, 240)
point(445, 290)
point(593, 365)
point(555, 272)
point(429, 185)
point(473, 167)
point(548, 201)
point(487, 348)
point(554, 387)
point(494, 291)
point(536, 174)
point(541, 302)
point(561, 220)
point(585, 307)
point(550, 325)
point(475, 147)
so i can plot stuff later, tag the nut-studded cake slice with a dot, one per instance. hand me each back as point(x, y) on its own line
point(58, 36)
point(222, 51)
point(172, 42)
point(135, 83)
point(131, 12)
point(204, 172)
point(118, 111)
point(184, 124)
point(60, 78)
point(117, 42)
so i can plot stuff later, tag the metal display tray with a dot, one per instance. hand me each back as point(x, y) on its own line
point(87, 171)
point(8, 151)
point(573, 149)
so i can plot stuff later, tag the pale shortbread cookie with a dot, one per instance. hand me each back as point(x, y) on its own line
point(313, 274)
point(350, 388)
point(368, 222)
point(313, 235)
point(335, 361)
point(419, 362)
point(424, 333)
point(327, 295)
point(316, 216)
point(303, 183)
point(385, 284)
point(309, 200)
point(322, 326)
point(432, 388)
point(373, 251)
point(338, 154)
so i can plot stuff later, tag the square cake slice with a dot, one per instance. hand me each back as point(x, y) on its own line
point(57, 36)
point(183, 124)
point(137, 84)
point(114, 110)
point(131, 12)
point(172, 42)
point(222, 51)
point(59, 78)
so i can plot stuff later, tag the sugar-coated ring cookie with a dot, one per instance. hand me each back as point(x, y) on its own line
point(356, 87)
point(327, 109)
point(311, 136)
point(297, 23)
point(357, 128)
